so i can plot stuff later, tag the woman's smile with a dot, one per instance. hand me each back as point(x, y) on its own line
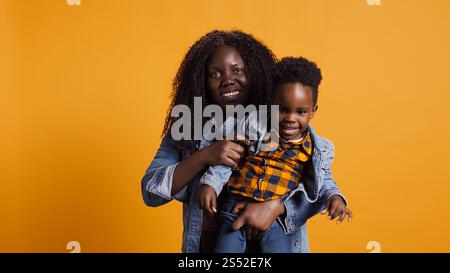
point(230, 94)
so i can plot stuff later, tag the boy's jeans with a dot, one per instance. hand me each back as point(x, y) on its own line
point(230, 241)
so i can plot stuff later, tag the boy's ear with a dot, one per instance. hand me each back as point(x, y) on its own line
point(314, 110)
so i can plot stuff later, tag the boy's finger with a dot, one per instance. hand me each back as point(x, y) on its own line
point(328, 207)
point(213, 205)
point(350, 215)
point(206, 206)
point(341, 217)
point(332, 213)
point(324, 211)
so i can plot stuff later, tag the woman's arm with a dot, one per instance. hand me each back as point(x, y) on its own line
point(167, 176)
point(186, 170)
point(222, 152)
point(157, 182)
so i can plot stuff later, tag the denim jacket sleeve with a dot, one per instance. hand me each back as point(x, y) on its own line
point(296, 204)
point(156, 185)
point(329, 187)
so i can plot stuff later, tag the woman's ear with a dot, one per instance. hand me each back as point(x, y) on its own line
point(313, 112)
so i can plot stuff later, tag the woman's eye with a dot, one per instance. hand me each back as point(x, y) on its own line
point(214, 75)
point(237, 71)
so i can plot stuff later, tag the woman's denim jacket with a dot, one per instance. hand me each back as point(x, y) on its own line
point(308, 199)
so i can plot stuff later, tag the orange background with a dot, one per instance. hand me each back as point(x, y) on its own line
point(84, 90)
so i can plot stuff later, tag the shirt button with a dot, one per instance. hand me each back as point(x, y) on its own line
point(297, 243)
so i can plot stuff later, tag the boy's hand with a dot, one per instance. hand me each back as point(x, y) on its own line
point(207, 199)
point(336, 208)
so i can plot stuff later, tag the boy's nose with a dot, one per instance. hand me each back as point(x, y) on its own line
point(289, 118)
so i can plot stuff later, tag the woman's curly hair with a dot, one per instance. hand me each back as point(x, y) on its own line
point(190, 80)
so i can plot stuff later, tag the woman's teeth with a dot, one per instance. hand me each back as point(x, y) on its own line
point(230, 94)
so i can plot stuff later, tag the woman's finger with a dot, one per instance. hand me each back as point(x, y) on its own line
point(234, 156)
point(249, 232)
point(242, 142)
point(238, 207)
point(229, 162)
point(237, 148)
point(238, 223)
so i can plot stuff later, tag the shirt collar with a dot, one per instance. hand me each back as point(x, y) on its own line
point(305, 142)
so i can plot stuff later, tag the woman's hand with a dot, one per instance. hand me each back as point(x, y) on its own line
point(257, 217)
point(224, 152)
point(336, 208)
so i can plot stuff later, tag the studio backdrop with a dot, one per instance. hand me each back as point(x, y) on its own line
point(85, 87)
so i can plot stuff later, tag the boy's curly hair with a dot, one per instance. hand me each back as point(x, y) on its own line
point(302, 70)
point(190, 80)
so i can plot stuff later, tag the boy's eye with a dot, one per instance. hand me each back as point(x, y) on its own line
point(302, 112)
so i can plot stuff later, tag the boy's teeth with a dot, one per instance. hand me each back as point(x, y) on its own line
point(289, 130)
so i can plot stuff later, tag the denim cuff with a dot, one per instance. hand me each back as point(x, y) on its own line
point(330, 194)
point(205, 181)
point(288, 222)
point(161, 184)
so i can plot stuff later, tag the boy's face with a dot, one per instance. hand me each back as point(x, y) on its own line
point(296, 109)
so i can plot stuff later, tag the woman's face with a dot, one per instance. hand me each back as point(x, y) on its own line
point(226, 77)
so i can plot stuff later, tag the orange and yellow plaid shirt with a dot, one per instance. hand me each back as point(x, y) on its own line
point(269, 175)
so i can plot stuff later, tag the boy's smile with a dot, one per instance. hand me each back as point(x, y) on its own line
point(296, 109)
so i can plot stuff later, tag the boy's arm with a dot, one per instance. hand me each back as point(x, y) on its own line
point(216, 177)
point(335, 202)
point(329, 194)
point(329, 187)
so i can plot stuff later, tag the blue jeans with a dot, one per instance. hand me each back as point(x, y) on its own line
point(230, 241)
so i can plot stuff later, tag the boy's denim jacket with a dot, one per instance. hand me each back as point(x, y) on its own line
point(308, 199)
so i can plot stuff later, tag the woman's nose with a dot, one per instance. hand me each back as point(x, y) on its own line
point(228, 79)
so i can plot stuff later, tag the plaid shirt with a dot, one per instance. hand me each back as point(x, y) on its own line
point(269, 175)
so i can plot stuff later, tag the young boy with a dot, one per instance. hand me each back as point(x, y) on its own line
point(279, 173)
